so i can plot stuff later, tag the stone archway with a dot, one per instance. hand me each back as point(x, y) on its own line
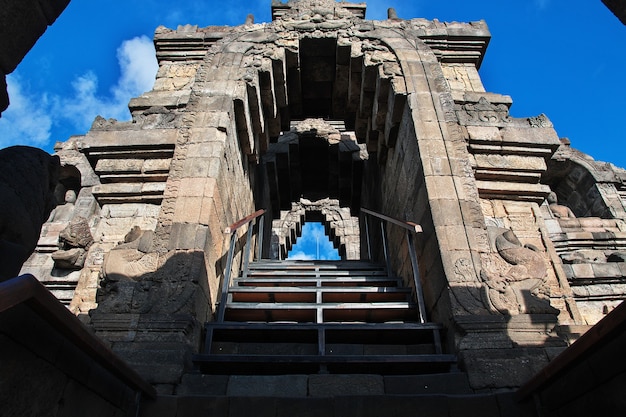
point(341, 227)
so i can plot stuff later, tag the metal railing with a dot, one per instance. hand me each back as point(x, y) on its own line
point(411, 229)
point(250, 220)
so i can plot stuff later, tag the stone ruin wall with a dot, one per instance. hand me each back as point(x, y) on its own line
point(443, 153)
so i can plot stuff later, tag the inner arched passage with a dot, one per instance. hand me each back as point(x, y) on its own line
point(321, 110)
point(339, 225)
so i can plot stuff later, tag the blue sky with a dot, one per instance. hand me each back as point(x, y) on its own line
point(564, 59)
point(313, 244)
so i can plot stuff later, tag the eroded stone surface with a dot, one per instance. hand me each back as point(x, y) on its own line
point(322, 111)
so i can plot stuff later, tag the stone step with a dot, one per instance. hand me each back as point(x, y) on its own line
point(322, 265)
point(316, 281)
point(446, 395)
point(313, 273)
point(310, 294)
point(322, 312)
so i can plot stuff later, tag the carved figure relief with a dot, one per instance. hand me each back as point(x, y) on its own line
point(74, 242)
point(558, 210)
point(514, 275)
point(133, 258)
point(64, 212)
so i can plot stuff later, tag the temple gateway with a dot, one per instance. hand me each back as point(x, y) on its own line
point(475, 247)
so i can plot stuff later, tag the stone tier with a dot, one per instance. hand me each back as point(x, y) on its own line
point(133, 165)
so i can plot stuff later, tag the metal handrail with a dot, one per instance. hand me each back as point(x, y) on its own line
point(232, 229)
point(410, 230)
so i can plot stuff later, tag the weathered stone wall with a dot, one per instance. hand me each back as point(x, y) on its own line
point(22, 23)
point(218, 137)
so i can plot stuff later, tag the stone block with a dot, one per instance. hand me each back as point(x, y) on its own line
point(531, 135)
point(119, 165)
point(151, 166)
point(510, 162)
point(452, 238)
point(492, 368)
point(582, 271)
point(449, 384)
point(162, 406)
point(188, 209)
point(121, 138)
point(201, 167)
point(446, 212)
point(608, 270)
point(474, 406)
point(440, 188)
point(267, 386)
point(484, 133)
point(247, 406)
point(169, 99)
point(197, 384)
point(192, 187)
point(142, 357)
point(304, 407)
point(413, 406)
point(202, 406)
point(365, 406)
point(342, 385)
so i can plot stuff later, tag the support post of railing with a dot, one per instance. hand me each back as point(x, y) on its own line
point(259, 238)
point(383, 232)
point(411, 229)
point(226, 282)
point(232, 231)
point(419, 293)
point(367, 236)
point(246, 252)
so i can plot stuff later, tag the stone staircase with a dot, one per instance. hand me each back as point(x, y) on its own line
point(319, 317)
point(325, 338)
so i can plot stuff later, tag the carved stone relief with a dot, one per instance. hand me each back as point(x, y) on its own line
point(483, 113)
point(74, 242)
point(514, 275)
point(131, 259)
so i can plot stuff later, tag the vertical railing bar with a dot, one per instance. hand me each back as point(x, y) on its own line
point(383, 232)
point(437, 340)
point(226, 282)
point(367, 236)
point(246, 251)
point(419, 293)
point(208, 339)
point(259, 238)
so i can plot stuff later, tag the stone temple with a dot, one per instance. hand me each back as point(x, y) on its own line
point(476, 248)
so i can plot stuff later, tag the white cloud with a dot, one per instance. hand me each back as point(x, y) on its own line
point(313, 244)
point(300, 256)
point(30, 118)
point(138, 67)
point(26, 121)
